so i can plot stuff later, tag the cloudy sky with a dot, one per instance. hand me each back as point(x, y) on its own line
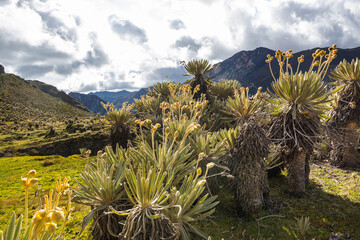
point(92, 45)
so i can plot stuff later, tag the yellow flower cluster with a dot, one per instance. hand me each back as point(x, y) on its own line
point(125, 106)
point(46, 220)
point(323, 65)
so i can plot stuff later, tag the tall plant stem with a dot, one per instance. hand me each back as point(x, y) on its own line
point(26, 207)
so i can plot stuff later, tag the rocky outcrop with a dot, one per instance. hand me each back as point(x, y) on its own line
point(2, 69)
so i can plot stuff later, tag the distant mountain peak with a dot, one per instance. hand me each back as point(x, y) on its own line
point(250, 69)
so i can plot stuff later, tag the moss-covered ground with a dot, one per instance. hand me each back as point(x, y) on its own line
point(332, 202)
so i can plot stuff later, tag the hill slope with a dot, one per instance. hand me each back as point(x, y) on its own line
point(250, 69)
point(21, 100)
point(53, 91)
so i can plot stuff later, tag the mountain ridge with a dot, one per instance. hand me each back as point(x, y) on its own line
point(247, 67)
point(250, 69)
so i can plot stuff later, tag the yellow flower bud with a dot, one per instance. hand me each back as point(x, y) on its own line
point(352, 105)
point(137, 121)
point(165, 120)
point(210, 165)
point(167, 130)
point(201, 183)
point(148, 121)
point(88, 153)
point(31, 173)
point(198, 171)
point(176, 134)
point(201, 155)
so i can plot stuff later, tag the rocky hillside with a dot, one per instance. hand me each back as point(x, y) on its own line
point(250, 69)
point(26, 100)
point(92, 102)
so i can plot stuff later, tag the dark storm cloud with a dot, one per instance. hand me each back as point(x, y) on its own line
point(173, 74)
point(188, 42)
point(14, 51)
point(87, 87)
point(127, 30)
point(177, 24)
point(96, 57)
point(68, 69)
point(31, 71)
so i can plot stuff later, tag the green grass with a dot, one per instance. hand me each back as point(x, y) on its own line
point(12, 197)
point(21, 140)
point(332, 206)
point(332, 202)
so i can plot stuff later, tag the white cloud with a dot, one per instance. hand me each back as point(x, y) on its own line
point(88, 45)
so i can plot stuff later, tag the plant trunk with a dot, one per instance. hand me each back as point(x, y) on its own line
point(252, 187)
point(307, 169)
point(105, 222)
point(199, 80)
point(249, 169)
point(295, 165)
point(119, 136)
point(344, 152)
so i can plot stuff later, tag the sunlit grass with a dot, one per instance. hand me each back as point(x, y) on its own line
point(12, 191)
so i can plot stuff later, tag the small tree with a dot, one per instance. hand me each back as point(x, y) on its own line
point(247, 163)
point(298, 99)
point(198, 69)
point(346, 119)
point(121, 121)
